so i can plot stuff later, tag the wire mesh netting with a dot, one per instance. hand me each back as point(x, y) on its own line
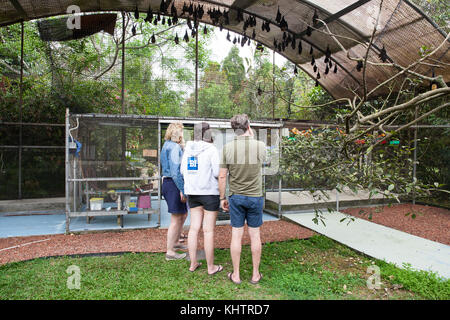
point(402, 29)
point(110, 148)
point(116, 148)
point(85, 75)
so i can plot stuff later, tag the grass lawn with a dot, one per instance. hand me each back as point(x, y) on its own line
point(316, 268)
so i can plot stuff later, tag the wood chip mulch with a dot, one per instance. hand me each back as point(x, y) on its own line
point(144, 240)
point(431, 223)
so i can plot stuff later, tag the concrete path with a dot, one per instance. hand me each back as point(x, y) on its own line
point(381, 242)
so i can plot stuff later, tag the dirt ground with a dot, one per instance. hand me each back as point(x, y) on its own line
point(428, 222)
point(146, 240)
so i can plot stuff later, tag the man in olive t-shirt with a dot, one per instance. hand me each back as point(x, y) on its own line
point(242, 160)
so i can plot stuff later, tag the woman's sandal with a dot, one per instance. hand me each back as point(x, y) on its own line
point(256, 282)
point(219, 268)
point(230, 274)
point(196, 267)
point(183, 238)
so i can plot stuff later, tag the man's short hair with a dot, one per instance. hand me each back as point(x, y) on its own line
point(240, 123)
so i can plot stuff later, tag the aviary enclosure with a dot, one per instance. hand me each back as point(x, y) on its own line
point(155, 62)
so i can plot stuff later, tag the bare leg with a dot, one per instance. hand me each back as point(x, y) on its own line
point(255, 240)
point(173, 233)
point(180, 229)
point(235, 250)
point(209, 224)
point(196, 223)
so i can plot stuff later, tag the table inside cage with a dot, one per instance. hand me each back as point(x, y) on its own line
point(117, 203)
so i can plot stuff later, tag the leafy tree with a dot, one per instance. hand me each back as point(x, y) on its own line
point(233, 66)
point(214, 94)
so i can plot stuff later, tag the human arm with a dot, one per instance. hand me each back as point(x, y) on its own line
point(175, 163)
point(215, 163)
point(183, 165)
point(223, 173)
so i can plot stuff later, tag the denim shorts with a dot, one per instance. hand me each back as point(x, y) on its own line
point(244, 208)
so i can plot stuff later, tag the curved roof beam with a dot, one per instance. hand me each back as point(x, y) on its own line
point(420, 11)
point(19, 9)
point(333, 17)
point(336, 16)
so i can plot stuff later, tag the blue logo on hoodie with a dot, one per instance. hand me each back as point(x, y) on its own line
point(192, 164)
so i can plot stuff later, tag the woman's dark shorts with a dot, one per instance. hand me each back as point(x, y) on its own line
point(208, 202)
point(172, 196)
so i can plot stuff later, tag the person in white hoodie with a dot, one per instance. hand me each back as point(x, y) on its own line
point(200, 169)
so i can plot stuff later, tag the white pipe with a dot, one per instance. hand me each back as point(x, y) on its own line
point(24, 244)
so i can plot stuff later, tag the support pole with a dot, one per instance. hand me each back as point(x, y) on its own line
point(123, 130)
point(123, 62)
point(20, 112)
point(415, 157)
point(67, 171)
point(196, 73)
point(159, 174)
point(337, 200)
point(273, 86)
point(280, 182)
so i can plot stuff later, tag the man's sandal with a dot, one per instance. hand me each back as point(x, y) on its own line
point(256, 282)
point(230, 274)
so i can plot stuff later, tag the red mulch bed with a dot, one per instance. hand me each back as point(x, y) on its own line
point(431, 223)
point(146, 240)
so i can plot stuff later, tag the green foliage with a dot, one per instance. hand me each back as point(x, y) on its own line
point(233, 66)
point(322, 243)
point(437, 10)
point(315, 161)
point(427, 284)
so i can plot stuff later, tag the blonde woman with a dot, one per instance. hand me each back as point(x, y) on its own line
point(173, 188)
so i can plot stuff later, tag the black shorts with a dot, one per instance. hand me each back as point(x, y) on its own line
point(208, 202)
